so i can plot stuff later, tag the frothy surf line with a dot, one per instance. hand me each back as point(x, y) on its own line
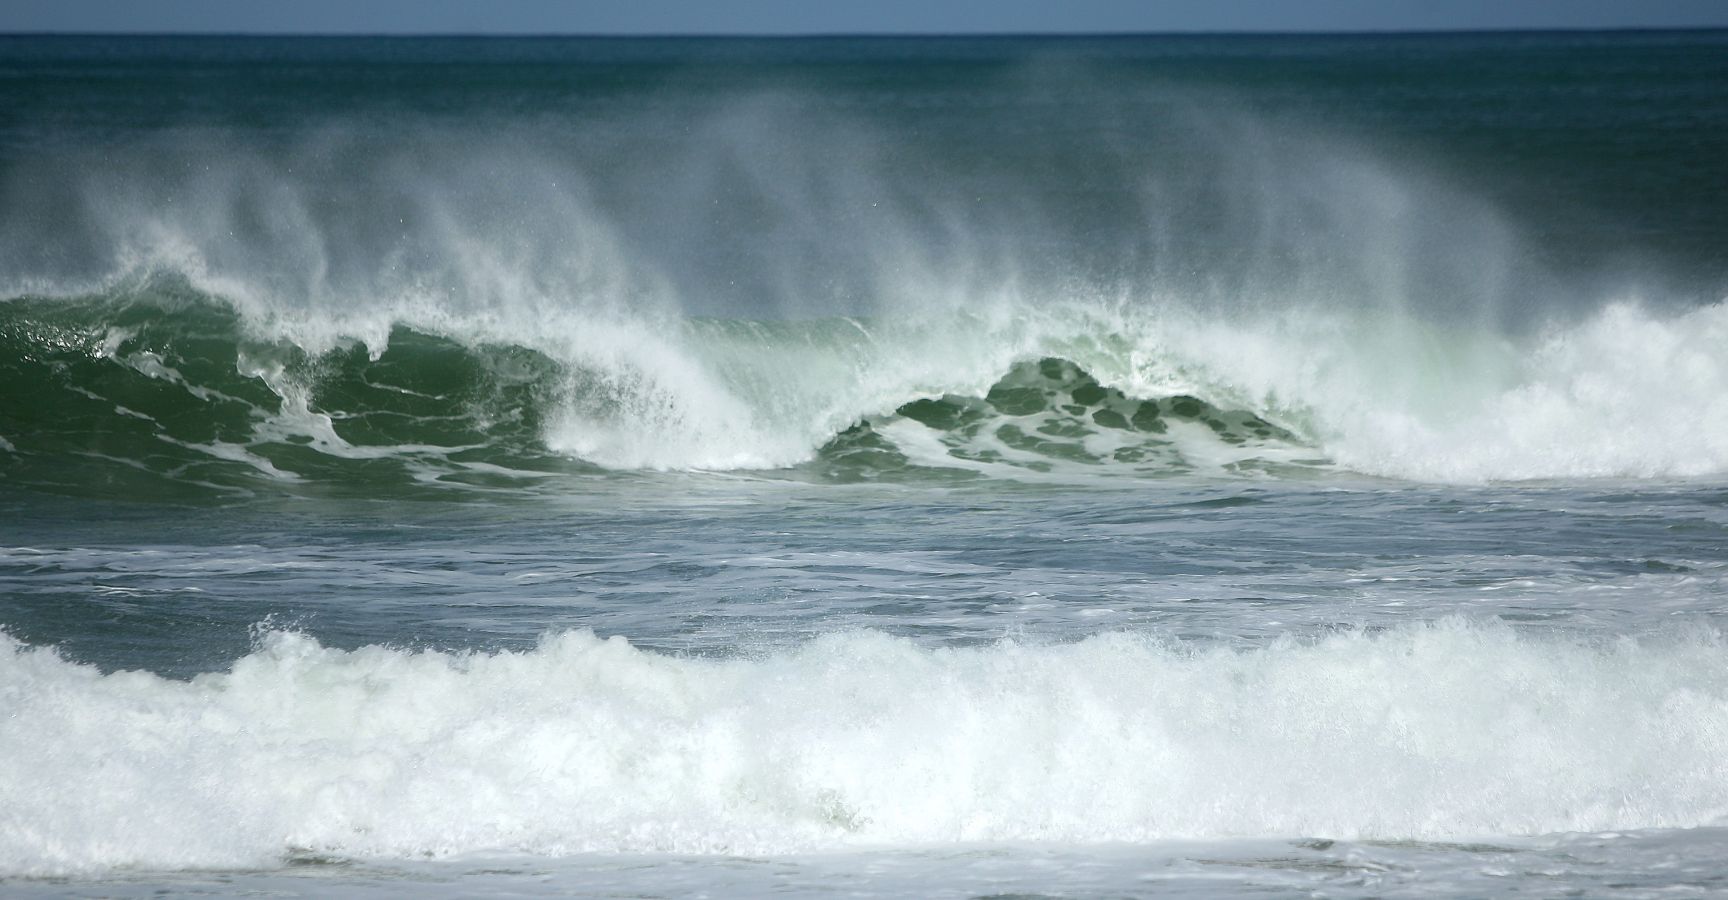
point(1453, 728)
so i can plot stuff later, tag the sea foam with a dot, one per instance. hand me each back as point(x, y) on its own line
point(853, 740)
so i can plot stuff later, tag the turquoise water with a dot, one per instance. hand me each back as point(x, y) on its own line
point(937, 467)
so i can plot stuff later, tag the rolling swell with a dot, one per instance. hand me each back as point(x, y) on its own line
point(173, 396)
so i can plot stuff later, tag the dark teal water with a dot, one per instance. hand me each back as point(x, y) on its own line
point(940, 466)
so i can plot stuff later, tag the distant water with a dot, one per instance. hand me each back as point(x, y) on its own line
point(915, 467)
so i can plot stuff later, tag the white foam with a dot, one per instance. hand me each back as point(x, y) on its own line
point(1623, 392)
point(853, 740)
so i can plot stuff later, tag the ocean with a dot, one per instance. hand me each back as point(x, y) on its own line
point(884, 467)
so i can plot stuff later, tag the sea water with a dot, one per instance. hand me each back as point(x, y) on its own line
point(902, 467)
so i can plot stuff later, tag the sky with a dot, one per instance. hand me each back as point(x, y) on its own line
point(828, 17)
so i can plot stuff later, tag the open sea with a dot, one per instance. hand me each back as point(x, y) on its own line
point(1196, 466)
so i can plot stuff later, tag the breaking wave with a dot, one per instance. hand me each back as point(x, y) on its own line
point(768, 283)
point(168, 392)
point(1428, 731)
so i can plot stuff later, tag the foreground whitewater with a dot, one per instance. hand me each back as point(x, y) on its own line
point(942, 468)
point(1440, 732)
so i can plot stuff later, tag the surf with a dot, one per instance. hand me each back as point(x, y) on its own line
point(1423, 732)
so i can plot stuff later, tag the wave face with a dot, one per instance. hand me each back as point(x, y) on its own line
point(1433, 731)
point(169, 396)
point(169, 393)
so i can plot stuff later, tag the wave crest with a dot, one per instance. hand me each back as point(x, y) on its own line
point(177, 395)
point(167, 392)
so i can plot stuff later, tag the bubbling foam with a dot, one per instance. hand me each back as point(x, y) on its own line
point(1622, 392)
point(853, 740)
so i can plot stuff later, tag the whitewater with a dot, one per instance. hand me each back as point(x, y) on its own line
point(582, 744)
point(933, 467)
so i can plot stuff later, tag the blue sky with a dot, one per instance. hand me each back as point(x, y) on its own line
point(814, 16)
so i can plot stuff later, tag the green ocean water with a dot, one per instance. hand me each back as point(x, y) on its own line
point(934, 466)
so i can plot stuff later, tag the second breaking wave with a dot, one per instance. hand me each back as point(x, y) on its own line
point(1434, 731)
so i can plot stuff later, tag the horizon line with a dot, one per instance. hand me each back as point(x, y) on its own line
point(855, 35)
